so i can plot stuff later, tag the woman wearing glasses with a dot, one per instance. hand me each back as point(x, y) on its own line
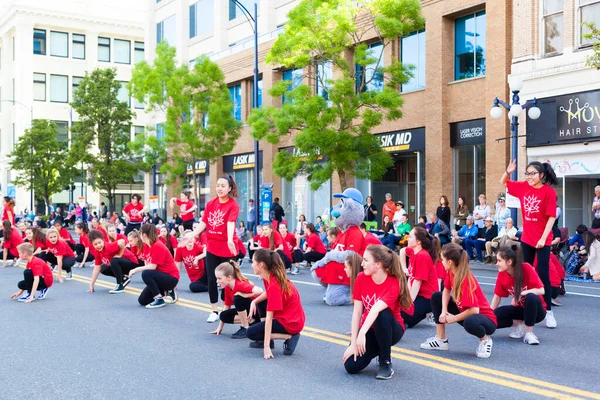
point(538, 207)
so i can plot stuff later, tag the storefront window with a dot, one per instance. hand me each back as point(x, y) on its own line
point(470, 173)
point(298, 199)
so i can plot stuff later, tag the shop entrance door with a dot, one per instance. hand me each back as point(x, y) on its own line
point(401, 181)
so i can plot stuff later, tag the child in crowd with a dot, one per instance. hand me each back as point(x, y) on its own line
point(168, 240)
point(59, 254)
point(12, 238)
point(96, 225)
point(353, 266)
point(36, 237)
point(191, 254)
point(64, 234)
point(323, 235)
point(238, 292)
point(37, 276)
point(272, 240)
point(332, 235)
point(137, 247)
point(83, 247)
point(255, 243)
point(113, 235)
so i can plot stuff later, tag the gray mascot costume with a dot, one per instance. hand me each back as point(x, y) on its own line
point(329, 271)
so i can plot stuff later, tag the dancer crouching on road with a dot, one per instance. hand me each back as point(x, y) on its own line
point(519, 281)
point(12, 239)
point(37, 276)
point(140, 249)
point(380, 292)
point(191, 254)
point(467, 305)
point(59, 254)
point(219, 219)
point(83, 248)
point(160, 274)
point(284, 313)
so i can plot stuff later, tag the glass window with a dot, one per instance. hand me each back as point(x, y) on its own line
point(138, 130)
point(39, 41)
point(370, 78)
point(324, 75)
point(122, 51)
point(123, 94)
point(62, 131)
point(78, 46)
point(295, 77)
point(413, 53)
point(469, 46)
point(138, 105)
point(104, 49)
point(75, 81)
point(553, 26)
point(59, 44)
point(236, 99)
point(260, 92)
point(589, 13)
point(235, 11)
point(139, 52)
point(160, 131)
point(201, 17)
point(59, 88)
point(39, 87)
point(469, 162)
point(165, 30)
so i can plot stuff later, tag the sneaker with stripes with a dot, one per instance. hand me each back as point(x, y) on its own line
point(435, 343)
point(485, 348)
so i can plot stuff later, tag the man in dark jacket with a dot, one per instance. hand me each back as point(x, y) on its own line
point(439, 229)
point(486, 234)
point(276, 212)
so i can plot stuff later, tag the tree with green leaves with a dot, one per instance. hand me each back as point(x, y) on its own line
point(592, 35)
point(333, 127)
point(199, 113)
point(39, 159)
point(101, 136)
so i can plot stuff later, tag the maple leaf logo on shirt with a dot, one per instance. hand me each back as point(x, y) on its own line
point(216, 218)
point(368, 302)
point(531, 204)
point(105, 261)
point(134, 212)
point(189, 260)
point(511, 292)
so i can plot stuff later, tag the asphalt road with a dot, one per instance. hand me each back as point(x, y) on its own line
point(76, 345)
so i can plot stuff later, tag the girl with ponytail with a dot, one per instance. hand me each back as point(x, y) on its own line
point(380, 292)
point(238, 292)
point(9, 210)
point(462, 301)
point(518, 280)
point(538, 205)
point(284, 319)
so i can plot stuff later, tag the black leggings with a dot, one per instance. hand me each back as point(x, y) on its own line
point(477, 325)
point(156, 283)
point(199, 286)
point(27, 282)
point(132, 226)
point(239, 304)
point(188, 225)
point(257, 331)
point(210, 265)
point(385, 333)
point(298, 256)
point(286, 261)
point(67, 262)
point(422, 306)
point(543, 270)
point(117, 268)
point(80, 250)
point(531, 313)
point(555, 292)
point(9, 255)
point(313, 256)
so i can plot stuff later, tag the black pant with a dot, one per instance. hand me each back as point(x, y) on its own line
point(531, 313)
point(250, 251)
point(476, 325)
point(131, 226)
point(211, 263)
point(298, 256)
point(543, 270)
point(257, 331)
point(9, 255)
point(286, 261)
point(156, 283)
point(67, 262)
point(239, 304)
point(80, 250)
point(117, 268)
point(27, 282)
point(422, 307)
point(71, 245)
point(188, 225)
point(313, 256)
point(555, 292)
point(385, 333)
point(596, 223)
point(199, 286)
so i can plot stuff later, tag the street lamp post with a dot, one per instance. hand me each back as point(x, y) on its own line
point(254, 20)
point(514, 111)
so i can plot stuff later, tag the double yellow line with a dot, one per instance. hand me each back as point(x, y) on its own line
point(501, 378)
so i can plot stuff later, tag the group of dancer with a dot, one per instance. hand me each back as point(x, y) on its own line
point(389, 293)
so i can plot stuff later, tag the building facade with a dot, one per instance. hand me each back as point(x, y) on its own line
point(445, 144)
point(550, 58)
point(46, 47)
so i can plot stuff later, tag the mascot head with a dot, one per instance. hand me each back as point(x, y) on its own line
point(350, 211)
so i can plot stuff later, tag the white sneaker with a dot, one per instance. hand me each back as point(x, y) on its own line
point(213, 317)
point(485, 348)
point(295, 270)
point(517, 332)
point(430, 320)
point(550, 321)
point(435, 343)
point(530, 338)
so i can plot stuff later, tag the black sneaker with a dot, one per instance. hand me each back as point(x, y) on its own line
point(259, 344)
point(240, 334)
point(157, 303)
point(126, 280)
point(118, 289)
point(171, 296)
point(385, 370)
point(290, 345)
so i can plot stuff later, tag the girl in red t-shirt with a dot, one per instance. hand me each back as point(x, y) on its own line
point(186, 208)
point(138, 247)
point(314, 249)
point(96, 225)
point(59, 254)
point(12, 238)
point(272, 240)
point(134, 213)
point(63, 234)
point(191, 254)
point(291, 244)
point(9, 210)
point(519, 281)
point(168, 240)
point(82, 249)
point(468, 305)
point(255, 243)
point(160, 274)
point(37, 238)
point(113, 235)
point(238, 292)
point(353, 267)
point(422, 276)
point(380, 292)
point(284, 319)
point(538, 207)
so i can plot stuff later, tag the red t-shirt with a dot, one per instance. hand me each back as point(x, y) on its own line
point(104, 233)
point(239, 245)
point(60, 248)
point(216, 216)
point(120, 236)
point(66, 235)
point(505, 284)
point(351, 239)
point(13, 241)
point(369, 240)
point(537, 206)
point(187, 256)
point(134, 212)
point(238, 286)
point(440, 270)
point(6, 217)
point(84, 240)
point(287, 308)
point(172, 239)
point(278, 241)
point(368, 292)
point(469, 298)
point(421, 268)
point(160, 255)
point(110, 250)
point(289, 239)
point(40, 268)
point(184, 206)
point(556, 270)
point(141, 253)
point(315, 243)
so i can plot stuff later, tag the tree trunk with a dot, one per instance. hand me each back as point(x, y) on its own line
point(111, 201)
point(47, 203)
point(196, 189)
point(346, 179)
